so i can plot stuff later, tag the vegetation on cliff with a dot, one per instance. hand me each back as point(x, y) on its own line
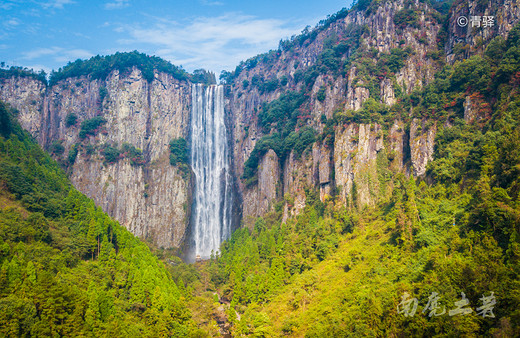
point(13, 71)
point(99, 67)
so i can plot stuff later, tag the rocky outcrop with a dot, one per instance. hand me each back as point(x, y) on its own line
point(355, 156)
point(422, 141)
point(26, 95)
point(259, 199)
point(350, 165)
point(152, 199)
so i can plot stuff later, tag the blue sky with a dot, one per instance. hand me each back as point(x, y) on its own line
point(210, 34)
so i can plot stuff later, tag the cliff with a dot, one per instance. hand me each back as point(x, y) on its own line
point(354, 69)
point(331, 115)
point(148, 196)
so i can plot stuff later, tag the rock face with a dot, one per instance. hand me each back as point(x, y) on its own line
point(26, 95)
point(421, 146)
point(356, 165)
point(152, 200)
point(349, 165)
point(259, 199)
point(355, 156)
point(351, 68)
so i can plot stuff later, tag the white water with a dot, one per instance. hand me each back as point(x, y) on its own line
point(210, 161)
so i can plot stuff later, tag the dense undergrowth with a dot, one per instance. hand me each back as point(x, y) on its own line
point(66, 268)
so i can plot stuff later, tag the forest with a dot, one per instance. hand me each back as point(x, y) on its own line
point(68, 269)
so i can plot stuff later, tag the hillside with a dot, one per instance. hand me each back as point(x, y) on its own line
point(431, 207)
point(342, 270)
point(66, 268)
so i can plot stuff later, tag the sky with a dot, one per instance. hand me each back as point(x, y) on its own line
point(211, 34)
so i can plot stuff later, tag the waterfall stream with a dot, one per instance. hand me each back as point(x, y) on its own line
point(211, 215)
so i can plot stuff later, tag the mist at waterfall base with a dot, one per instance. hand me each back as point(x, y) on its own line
point(211, 217)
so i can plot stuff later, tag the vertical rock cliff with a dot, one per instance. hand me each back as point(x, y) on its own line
point(146, 194)
point(354, 65)
point(328, 116)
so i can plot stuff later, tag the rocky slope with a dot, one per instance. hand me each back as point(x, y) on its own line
point(367, 36)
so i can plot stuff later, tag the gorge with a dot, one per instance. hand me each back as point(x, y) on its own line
point(371, 157)
point(319, 78)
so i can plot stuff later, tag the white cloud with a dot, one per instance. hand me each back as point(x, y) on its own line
point(213, 43)
point(39, 52)
point(59, 54)
point(117, 4)
point(6, 5)
point(58, 4)
point(11, 23)
point(212, 3)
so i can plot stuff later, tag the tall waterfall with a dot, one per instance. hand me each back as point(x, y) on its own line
point(211, 217)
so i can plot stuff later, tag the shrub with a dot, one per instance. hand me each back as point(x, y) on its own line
point(134, 154)
point(57, 147)
point(178, 151)
point(5, 120)
point(102, 93)
point(90, 126)
point(322, 94)
point(73, 153)
point(110, 153)
point(406, 17)
point(71, 119)
point(271, 85)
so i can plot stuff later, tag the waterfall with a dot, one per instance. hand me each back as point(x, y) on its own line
point(211, 215)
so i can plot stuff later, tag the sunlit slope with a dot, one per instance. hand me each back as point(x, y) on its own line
point(66, 268)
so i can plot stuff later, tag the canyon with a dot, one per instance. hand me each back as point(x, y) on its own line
point(155, 199)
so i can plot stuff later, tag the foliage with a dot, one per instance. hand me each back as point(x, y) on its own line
point(203, 76)
point(178, 151)
point(6, 123)
point(110, 153)
point(14, 71)
point(73, 153)
point(66, 268)
point(406, 17)
point(296, 142)
point(91, 126)
point(134, 154)
point(99, 67)
point(71, 119)
point(56, 147)
point(179, 156)
point(103, 92)
point(322, 94)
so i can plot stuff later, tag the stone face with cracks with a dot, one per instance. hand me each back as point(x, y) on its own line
point(152, 200)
